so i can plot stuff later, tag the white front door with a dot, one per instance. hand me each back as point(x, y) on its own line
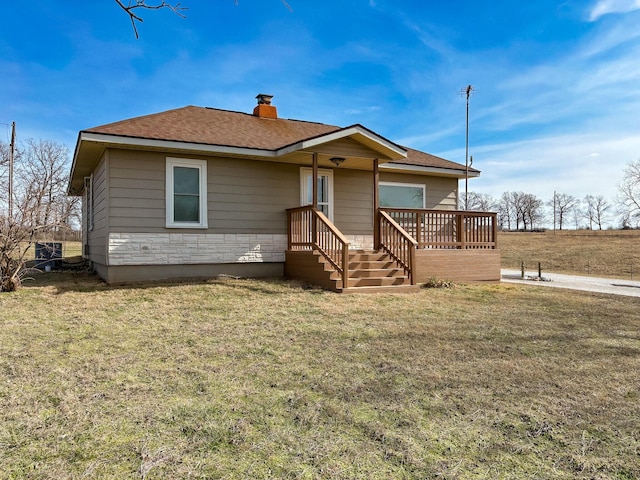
point(325, 190)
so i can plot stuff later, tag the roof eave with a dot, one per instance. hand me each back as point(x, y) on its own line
point(110, 140)
point(425, 170)
point(140, 142)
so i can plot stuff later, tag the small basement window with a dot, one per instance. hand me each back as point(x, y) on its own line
point(186, 193)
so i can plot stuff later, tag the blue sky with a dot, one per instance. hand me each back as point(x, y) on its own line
point(556, 107)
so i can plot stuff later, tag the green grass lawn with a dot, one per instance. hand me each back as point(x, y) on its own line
point(264, 379)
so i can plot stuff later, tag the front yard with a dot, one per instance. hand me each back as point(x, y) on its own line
point(265, 379)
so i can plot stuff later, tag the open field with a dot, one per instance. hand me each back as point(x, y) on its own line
point(264, 379)
point(607, 253)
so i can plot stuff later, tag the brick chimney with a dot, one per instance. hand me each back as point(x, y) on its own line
point(264, 109)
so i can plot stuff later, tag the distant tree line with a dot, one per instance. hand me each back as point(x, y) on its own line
point(525, 211)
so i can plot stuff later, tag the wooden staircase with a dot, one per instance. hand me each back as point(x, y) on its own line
point(369, 272)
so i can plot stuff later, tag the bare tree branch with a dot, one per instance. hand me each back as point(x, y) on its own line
point(132, 5)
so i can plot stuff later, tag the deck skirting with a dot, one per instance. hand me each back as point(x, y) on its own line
point(463, 266)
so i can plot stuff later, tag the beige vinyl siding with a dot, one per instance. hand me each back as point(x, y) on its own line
point(247, 196)
point(244, 196)
point(97, 236)
point(353, 201)
point(441, 191)
point(251, 196)
point(136, 191)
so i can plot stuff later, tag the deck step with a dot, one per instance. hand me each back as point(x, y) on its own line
point(373, 270)
point(369, 272)
point(355, 272)
point(377, 281)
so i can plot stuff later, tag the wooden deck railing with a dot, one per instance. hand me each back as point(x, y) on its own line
point(398, 243)
point(452, 229)
point(310, 229)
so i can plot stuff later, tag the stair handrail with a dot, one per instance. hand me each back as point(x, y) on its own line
point(398, 243)
point(310, 229)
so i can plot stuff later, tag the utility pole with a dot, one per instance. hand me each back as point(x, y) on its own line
point(12, 148)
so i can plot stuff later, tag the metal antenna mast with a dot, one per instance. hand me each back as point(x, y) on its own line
point(467, 91)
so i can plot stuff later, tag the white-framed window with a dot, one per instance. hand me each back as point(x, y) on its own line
point(402, 195)
point(186, 193)
point(88, 192)
point(325, 190)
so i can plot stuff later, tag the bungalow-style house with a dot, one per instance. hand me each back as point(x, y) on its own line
point(200, 192)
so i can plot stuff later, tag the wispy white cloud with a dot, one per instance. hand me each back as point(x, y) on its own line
point(604, 7)
point(564, 163)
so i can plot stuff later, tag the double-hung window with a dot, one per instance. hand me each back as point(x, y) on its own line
point(186, 193)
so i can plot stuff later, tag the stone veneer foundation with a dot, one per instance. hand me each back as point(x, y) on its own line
point(204, 248)
point(193, 248)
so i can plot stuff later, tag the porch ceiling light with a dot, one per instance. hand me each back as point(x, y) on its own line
point(337, 161)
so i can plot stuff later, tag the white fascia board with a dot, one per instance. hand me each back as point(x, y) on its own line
point(344, 133)
point(449, 172)
point(73, 163)
point(168, 144)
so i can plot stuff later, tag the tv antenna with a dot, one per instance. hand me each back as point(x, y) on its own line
point(467, 91)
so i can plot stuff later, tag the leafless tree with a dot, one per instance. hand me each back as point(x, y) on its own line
point(16, 240)
point(577, 215)
point(41, 206)
point(629, 191)
point(506, 211)
point(132, 7)
point(562, 205)
point(532, 210)
point(520, 209)
point(596, 210)
point(41, 174)
point(481, 202)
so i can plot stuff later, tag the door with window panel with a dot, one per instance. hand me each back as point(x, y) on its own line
point(325, 190)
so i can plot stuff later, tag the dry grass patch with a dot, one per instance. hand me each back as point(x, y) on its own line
point(262, 379)
point(612, 253)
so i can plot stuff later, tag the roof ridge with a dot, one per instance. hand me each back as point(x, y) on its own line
point(279, 118)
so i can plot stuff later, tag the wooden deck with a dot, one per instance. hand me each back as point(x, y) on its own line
point(414, 246)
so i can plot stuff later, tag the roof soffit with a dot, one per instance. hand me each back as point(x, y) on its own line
point(385, 149)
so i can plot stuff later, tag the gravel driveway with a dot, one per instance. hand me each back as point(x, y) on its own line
point(613, 286)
